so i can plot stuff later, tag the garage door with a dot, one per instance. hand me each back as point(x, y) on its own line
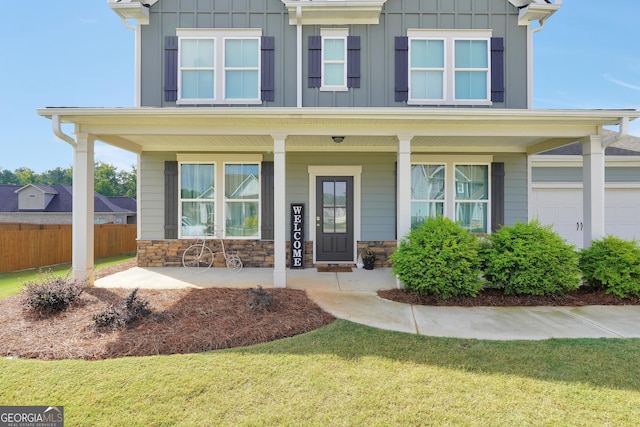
point(562, 208)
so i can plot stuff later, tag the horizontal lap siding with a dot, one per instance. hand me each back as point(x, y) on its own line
point(378, 188)
point(574, 174)
point(152, 189)
point(515, 187)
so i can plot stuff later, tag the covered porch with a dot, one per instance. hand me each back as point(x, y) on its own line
point(282, 132)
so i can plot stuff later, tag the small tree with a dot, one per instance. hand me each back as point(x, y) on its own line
point(438, 258)
point(529, 258)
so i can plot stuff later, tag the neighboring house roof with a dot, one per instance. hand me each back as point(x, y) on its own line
point(627, 146)
point(62, 200)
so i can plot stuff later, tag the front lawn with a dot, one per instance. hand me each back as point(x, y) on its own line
point(345, 374)
point(11, 283)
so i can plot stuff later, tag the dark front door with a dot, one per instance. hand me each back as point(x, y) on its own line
point(334, 218)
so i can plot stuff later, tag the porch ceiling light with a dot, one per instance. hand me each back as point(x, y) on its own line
point(337, 139)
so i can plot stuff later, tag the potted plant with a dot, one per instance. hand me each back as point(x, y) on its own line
point(368, 258)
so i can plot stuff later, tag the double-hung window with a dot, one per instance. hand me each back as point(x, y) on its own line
point(220, 190)
point(219, 66)
point(449, 67)
point(455, 190)
point(334, 59)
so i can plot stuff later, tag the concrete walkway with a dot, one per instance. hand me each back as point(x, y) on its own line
point(352, 296)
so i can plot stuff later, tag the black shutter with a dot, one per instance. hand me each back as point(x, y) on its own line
point(171, 200)
point(171, 68)
point(402, 69)
point(267, 68)
point(267, 185)
point(315, 61)
point(497, 69)
point(353, 61)
point(497, 195)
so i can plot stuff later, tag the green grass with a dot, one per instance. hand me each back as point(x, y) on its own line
point(346, 374)
point(11, 283)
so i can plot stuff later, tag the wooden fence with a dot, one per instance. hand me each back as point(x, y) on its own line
point(24, 246)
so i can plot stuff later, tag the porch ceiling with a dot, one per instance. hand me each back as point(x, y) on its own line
point(311, 129)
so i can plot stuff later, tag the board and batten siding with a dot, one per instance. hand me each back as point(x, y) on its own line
point(376, 53)
point(167, 15)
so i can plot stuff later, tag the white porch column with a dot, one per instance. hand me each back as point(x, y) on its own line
point(83, 209)
point(279, 213)
point(403, 209)
point(593, 189)
point(404, 185)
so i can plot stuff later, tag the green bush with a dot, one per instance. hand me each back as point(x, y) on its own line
point(612, 264)
point(530, 258)
point(438, 258)
point(50, 293)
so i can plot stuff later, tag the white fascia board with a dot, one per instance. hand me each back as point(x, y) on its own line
point(537, 12)
point(131, 10)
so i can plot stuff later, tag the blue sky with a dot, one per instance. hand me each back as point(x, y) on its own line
point(76, 53)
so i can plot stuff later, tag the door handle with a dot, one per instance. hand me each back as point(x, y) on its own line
point(577, 226)
point(581, 226)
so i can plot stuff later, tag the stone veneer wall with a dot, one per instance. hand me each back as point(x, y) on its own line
point(253, 253)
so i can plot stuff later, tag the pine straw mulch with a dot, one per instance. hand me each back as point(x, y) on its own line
point(496, 298)
point(184, 321)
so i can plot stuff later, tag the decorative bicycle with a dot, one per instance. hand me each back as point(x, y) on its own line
point(199, 257)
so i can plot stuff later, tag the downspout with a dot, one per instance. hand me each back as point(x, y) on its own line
point(299, 56)
point(622, 132)
point(57, 130)
point(137, 60)
point(530, 33)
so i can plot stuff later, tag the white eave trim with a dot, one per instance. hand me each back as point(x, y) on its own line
point(334, 12)
point(131, 10)
point(537, 12)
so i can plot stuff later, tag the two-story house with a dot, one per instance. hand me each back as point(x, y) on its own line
point(363, 117)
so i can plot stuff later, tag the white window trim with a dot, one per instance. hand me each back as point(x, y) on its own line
point(450, 163)
point(220, 200)
point(334, 33)
point(219, 36)
point(450, 37)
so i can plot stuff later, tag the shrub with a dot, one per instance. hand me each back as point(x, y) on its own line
point(530, 258)
point(116, 317)
point(612, 264)
point(438, 258)
point(51, 293)
point(259, 299)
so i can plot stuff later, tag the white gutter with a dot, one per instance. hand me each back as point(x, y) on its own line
point(624, 130)
point(57, 130)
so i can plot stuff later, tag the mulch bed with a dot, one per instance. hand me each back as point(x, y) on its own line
point(184, 321)
point(497, 298)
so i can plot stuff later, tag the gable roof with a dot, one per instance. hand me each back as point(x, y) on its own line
point(62, 200)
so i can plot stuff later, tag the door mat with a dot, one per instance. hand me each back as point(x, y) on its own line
point(334, 269)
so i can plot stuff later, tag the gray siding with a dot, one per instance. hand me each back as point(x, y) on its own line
point(378, 188)
point(151, 199)
point(377, 44)
point(574, 174)
point(515, 187)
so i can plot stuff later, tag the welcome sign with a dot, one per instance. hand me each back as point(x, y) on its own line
point(297, 235)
